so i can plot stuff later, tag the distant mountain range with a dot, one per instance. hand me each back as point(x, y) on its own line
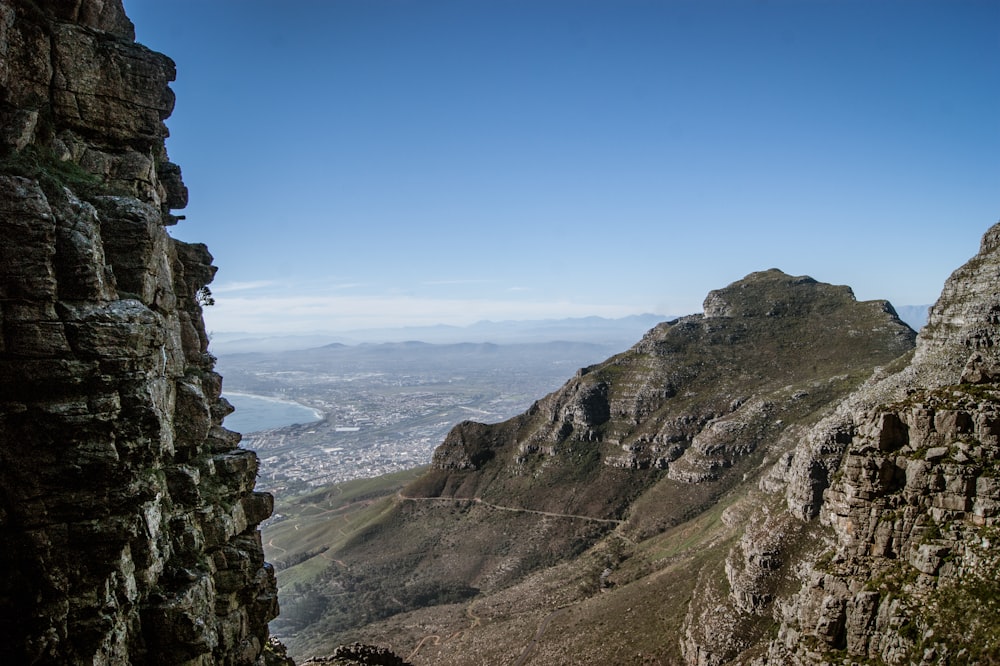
point(624, 332)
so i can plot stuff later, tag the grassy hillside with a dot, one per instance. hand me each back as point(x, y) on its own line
point(306, 532)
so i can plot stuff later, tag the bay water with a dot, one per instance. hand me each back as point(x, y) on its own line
point(258, 412)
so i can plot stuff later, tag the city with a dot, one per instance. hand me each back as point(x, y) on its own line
point(386, 407)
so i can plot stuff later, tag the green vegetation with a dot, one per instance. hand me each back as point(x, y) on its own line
point(306, 529)
point(204, 297)
point(961, 618)
point(892, 580)
point(41, 164)
point(305, 535)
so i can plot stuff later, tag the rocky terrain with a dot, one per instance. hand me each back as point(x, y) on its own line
point(127, 513)
point(783, 479)
point(624, 452)
point(907, 569)
point(780, 480)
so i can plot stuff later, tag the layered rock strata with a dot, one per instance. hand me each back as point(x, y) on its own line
point(884, 546)
point(127, 512)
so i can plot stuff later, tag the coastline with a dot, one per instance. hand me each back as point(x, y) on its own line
point(249, 413)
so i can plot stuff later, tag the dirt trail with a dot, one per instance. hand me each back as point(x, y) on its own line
point(476, 621)
point(271, 544)
point(434, 637)
point(514, 509)
point(530, 647)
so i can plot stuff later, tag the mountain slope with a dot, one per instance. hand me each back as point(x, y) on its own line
point(909, 521)
point(626, 450)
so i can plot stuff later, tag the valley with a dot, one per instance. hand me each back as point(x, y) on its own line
point(386, 407)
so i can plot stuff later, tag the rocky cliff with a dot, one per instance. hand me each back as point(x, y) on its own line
point(912, 513)
point(883, 547)
point(127, 513)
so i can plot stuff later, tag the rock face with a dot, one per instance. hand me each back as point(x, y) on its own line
point(127, 513)
point(886, 547)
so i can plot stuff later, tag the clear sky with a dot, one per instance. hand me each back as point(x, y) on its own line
point(357, 163)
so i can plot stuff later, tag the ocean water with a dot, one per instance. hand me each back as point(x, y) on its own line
point(257, 412)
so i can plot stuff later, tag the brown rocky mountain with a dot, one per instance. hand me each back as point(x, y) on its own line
point(779, 480)
point(127, 513)
point(776, 481)
point(626, 451)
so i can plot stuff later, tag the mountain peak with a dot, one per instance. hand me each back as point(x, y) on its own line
point(772, 293)
point(631, 444)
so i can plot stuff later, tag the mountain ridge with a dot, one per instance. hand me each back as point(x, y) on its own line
point(601, 330)
point(622, 331)
point(829, 518)
point(678, 417)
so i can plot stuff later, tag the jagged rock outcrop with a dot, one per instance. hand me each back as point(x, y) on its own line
point(886, 543)
point(127, 513)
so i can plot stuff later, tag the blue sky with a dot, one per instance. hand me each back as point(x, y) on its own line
point(359, 163)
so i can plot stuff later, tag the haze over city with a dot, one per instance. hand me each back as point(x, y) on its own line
point(369, 163)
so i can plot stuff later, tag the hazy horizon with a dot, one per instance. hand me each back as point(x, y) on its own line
point(623, 332)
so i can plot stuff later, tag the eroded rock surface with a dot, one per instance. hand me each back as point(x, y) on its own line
point(874, 537)
point(128, 516)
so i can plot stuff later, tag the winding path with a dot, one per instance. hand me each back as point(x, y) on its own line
point(530, 647)
point(277, 547)
point(434, 637)
point(476, 621)
point(479, 500)
point(344, 511)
